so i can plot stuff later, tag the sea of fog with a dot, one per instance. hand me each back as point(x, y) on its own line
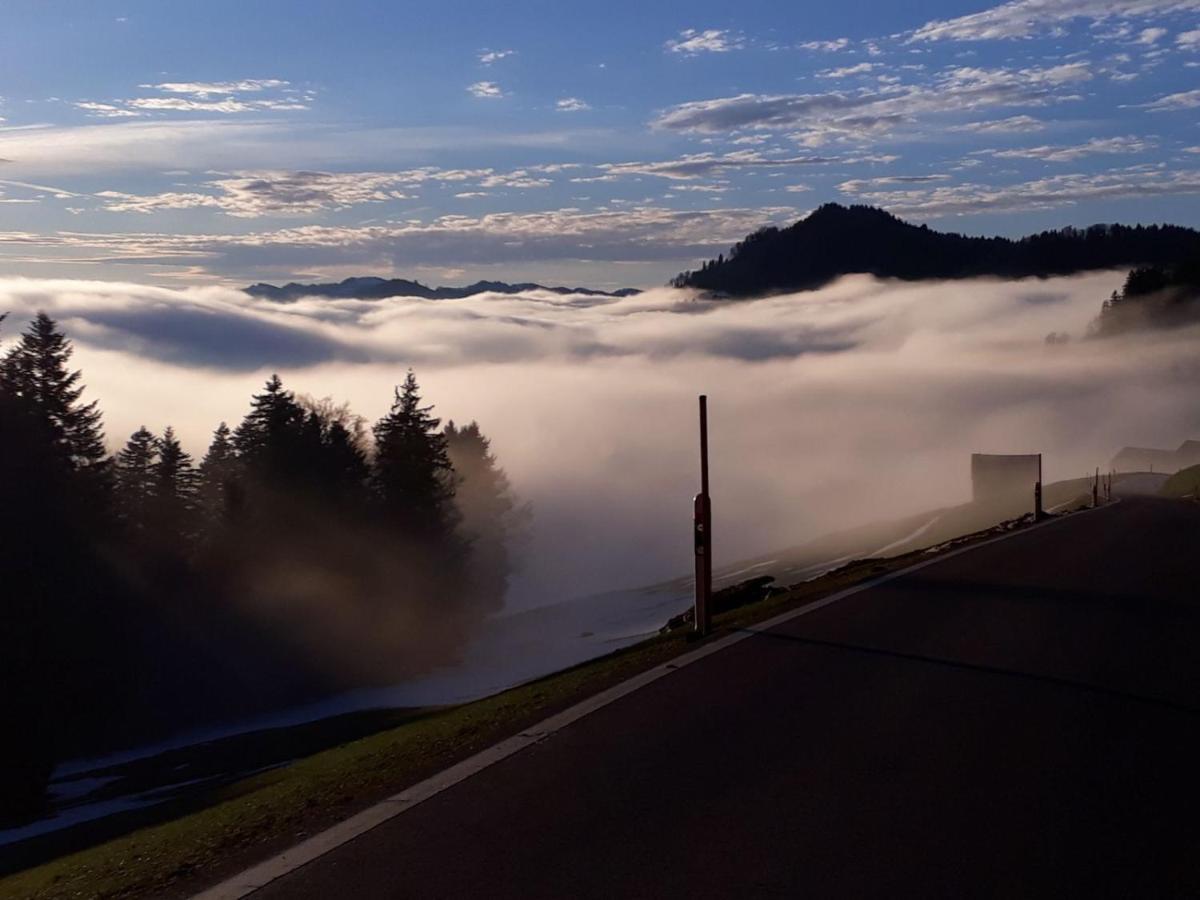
point(828, 408)
point(858, 402)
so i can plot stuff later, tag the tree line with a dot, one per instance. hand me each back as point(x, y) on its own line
point(1157, 296)
point(304, 552)
point(836, 240)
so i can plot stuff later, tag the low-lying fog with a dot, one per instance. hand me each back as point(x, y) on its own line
point(829, 408)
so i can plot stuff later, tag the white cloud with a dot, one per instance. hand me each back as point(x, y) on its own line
point(487, 90)
point(1048, 153)
point(701, 165)
point(713, 40)
point(867, 114)
point(571, 104)
point(1189, 40)
point(1181, 100)
point(487, 57)
point(224, 97)
point(827, 46)
point(210, 88)
point(1043, 193)
point(1010, 125)
point(227, 106)
point(1151, 36)
point(846, 71)
point(797, 188)
point(638, 233)
point(1026, 18)
point(106, 110)
point(520, 178)
point(255, 194)
point(862, 185)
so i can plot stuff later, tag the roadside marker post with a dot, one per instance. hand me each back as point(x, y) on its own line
point(1038, 512)
point(702, 532)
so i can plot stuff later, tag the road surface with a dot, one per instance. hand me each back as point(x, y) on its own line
point(1020, 720)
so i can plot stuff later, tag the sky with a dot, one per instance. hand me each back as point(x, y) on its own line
point(603, 145)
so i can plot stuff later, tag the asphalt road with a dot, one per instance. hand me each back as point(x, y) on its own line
point(1021, 720)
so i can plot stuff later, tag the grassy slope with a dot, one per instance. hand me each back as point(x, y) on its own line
point(264, 814)
point(1184, 483)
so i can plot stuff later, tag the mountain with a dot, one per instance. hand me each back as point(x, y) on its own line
point(837, 240)
point(379, 288)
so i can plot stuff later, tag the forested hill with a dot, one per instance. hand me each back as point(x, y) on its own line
point(837, 240)
point(379, 288)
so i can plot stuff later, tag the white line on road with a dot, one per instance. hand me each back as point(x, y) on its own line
point(247, 882)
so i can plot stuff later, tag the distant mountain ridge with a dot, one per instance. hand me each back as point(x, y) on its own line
point(836, 240)
point(368, 288)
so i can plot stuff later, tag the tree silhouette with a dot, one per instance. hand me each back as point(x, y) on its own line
point(134, 471)
point(174, 489)
point(492, 521)
point(413, 475)
point(269, 440)
point(217, 487)
point(835, 240)
point(37, 372)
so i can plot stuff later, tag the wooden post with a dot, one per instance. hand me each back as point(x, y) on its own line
point(702, 531)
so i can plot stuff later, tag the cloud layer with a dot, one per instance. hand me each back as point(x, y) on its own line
point(852, 403)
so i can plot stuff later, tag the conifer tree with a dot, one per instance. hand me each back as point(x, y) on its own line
point(37, 372)
point(174, 489)
point(269, 442)
point(134, 472)
point(413, 478)
point(218, 476)
point(492, 521)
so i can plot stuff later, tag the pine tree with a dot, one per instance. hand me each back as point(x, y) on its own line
point(174, 490)
point(37, 372)
point(218, 477)
point(134, 474)
point(413, 478)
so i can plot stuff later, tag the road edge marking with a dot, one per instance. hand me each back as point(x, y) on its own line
point(262, 874)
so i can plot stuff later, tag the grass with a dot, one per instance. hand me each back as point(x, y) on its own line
point(264, 814)
point(1184, 483)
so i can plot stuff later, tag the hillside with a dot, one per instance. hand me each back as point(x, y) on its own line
point(1154, 297)
point(837, 240)
point(379, 288)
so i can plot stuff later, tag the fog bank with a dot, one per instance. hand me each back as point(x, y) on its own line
point(828, 408)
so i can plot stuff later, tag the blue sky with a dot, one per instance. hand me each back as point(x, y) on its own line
point(595, 144)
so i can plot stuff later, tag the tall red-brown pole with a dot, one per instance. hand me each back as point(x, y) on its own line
point(702, 529)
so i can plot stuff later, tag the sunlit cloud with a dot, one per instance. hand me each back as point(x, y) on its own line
point(487, 57)
point(1025, 18)
point(1048, 153)
point(711, 40)
point(487, 90)
point(571, 104)
point(1042, 193)
point(867, 114)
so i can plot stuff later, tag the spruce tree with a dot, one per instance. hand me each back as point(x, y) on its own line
point(218, 477)
point(413, 478)
point(135, 480)
point(37, 372)
point(270, 440)
point(175, 483)
point(492, 521)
